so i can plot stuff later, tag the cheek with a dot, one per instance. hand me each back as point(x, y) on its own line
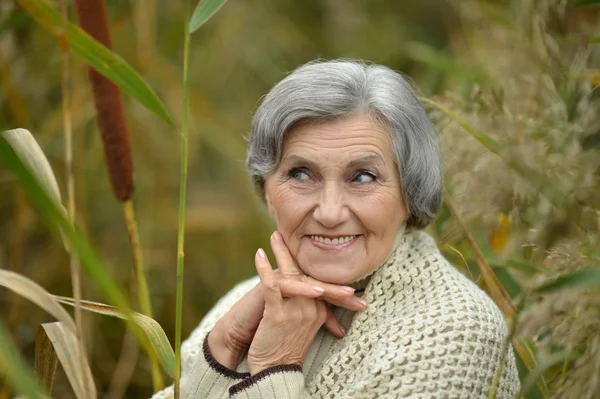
point(290, 209)
point(381, 212)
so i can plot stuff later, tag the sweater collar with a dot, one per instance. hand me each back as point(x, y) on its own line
point(361, 283)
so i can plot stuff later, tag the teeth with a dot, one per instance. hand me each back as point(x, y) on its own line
point(335, 241)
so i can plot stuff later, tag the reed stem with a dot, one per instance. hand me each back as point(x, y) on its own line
point(182, 197)
point(142, 285)
point(505, 348)
point(138, 260)
point(68, 132)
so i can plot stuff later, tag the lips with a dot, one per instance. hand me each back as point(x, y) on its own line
point(334, 241)
point(333, 244)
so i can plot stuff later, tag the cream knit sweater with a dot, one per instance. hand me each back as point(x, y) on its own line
point(428, 332)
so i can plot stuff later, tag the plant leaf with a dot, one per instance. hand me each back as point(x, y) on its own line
point(33, 157)
point(29, 152)
point(443, 63)
point(97, 56)
point(543, 366)
point(45, 359)
point(16, 371)
point(585, 278)
point(90, 261)
point(26, 288)
point(595, 39)
point(66, 347)
point(483, 138)
point(155, 333)
point(204, 10)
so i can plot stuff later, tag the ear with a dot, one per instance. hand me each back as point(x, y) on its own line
point(269, 204)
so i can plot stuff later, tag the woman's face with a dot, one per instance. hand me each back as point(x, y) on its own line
point(336, 197)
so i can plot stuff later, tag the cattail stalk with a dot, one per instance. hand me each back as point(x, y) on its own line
point(113, 130)
point(109, 105)
point(68, 133)
point(182, 196)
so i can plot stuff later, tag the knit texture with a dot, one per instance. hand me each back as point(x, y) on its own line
point(428, 332)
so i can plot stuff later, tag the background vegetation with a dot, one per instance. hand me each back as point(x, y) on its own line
point(510, 85)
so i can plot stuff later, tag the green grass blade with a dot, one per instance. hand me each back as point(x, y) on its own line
point(483, 138)
point(541, 369)
point(154, 332)
point(204, 10)
point(14, 368)
point(90, 261)
point(585, 278)
point(54, 215)
point(98, 57)
point(443, 63)
point(29, 152)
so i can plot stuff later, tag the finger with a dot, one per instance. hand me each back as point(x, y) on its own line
point(339, 295)
point(267, 279)
point(353, 303)
point(290, 288)
point(333, 325)
point(285, 262)
point(332, 291)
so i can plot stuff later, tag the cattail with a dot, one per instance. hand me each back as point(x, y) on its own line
point(109, 106)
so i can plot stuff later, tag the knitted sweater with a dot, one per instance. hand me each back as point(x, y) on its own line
point(428, 331)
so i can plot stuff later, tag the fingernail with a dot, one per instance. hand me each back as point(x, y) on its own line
point(262, 254)
point(275, 236)
point(349, 290)
point(318, 290)
point(362, 302)
point(342, 330)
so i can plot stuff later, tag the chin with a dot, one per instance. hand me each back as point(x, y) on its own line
point(328, 273)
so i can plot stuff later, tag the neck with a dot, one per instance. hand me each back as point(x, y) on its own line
point(361, 283)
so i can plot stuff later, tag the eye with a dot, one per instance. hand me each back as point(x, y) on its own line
point(363, 177)
point(299, 174)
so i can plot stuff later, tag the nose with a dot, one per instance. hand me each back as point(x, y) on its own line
point(331, 209)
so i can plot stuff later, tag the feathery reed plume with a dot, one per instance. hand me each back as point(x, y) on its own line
point(113, 129)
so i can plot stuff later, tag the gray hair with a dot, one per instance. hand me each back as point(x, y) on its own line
point(332, 89)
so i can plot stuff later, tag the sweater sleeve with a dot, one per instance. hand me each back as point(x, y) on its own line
point(285, 381)
point(201, 374)
point(207, 379)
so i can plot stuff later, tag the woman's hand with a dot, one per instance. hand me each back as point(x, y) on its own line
point(230, 338)
point(288, 326)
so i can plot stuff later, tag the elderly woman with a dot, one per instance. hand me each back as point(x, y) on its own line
point(362, 304)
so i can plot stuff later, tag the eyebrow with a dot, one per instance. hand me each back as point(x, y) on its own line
point(353, 163)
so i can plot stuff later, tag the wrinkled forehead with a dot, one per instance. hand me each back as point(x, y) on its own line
point(345, 140)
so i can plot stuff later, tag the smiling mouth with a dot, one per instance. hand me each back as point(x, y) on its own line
point(333, 241)
point(333, 244)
